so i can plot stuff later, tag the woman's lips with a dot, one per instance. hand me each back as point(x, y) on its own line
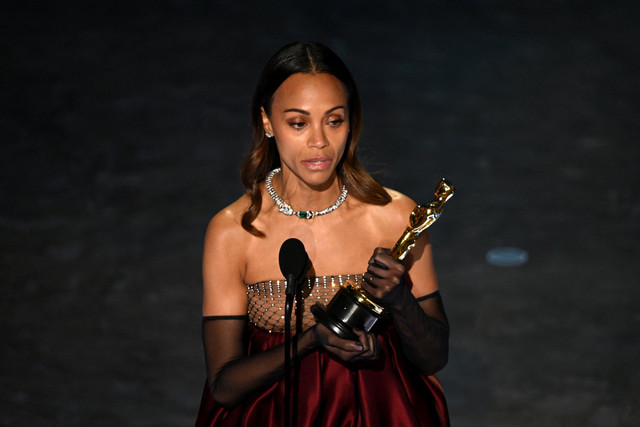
point(317, 163)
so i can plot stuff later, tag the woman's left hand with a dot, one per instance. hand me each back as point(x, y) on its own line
point(383, 275)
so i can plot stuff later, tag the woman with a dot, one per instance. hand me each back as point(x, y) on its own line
point(306, 118)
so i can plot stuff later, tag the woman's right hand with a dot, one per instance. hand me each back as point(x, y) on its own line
point(366, 348)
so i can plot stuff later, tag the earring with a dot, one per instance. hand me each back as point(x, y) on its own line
point(268, 135)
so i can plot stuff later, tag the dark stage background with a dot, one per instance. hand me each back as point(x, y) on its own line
point(123, 126)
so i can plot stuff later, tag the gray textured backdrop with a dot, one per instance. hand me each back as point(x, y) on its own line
point(122, 128)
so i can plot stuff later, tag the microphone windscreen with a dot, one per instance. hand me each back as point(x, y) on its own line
point(293, 258)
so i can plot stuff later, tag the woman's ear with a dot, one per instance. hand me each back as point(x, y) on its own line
point(266, 123)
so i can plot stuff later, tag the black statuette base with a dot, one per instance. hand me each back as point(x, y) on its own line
point(338, 327)
point(345, 313)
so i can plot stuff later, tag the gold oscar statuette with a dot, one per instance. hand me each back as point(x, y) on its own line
point(352, 307)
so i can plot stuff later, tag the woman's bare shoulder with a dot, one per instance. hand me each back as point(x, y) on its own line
point(226, 225)
point(400, 206)
point(224, 262)
point(387, 222)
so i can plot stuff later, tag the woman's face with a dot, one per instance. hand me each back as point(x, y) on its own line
point(310, 123)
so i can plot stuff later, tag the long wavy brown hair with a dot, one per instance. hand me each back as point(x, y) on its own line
point(310, 58)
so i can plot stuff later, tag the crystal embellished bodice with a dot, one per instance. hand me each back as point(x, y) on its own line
point(266, 300)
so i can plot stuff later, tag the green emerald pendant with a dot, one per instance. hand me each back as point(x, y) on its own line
point(304, 214)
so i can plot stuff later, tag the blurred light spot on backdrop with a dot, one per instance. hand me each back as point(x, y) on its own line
point(507, 257)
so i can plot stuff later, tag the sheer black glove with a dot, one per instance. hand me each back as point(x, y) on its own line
point(233, 376)
point(422, 326)
point(421, 323)
point(384, 273)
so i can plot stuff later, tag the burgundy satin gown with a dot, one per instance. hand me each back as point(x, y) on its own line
point(328, 392)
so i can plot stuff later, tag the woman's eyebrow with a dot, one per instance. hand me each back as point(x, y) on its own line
point(306, 113)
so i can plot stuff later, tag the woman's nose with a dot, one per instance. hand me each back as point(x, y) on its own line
point(318, 138)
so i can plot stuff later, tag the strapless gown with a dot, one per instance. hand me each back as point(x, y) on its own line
point(326, 391)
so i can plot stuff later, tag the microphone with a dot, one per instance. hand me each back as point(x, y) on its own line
point(294, 263)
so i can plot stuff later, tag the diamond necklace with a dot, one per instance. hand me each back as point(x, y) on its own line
point(288, 210)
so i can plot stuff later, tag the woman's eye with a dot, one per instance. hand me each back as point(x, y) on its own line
point(297, 125)
point(335, 122)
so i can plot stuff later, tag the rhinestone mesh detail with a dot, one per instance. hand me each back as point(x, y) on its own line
point(266, 300)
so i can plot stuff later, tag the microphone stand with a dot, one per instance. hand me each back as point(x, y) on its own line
point(294, 263)
point(289, 293)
